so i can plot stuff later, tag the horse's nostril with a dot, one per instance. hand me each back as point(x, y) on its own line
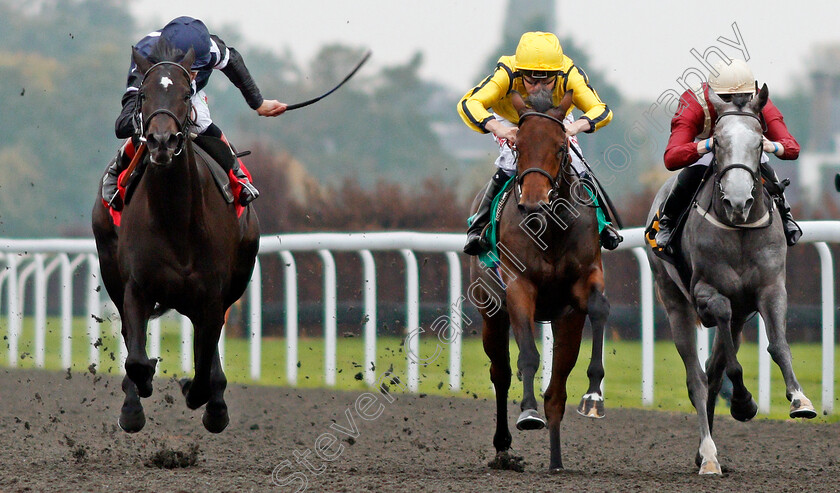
point(749, 203)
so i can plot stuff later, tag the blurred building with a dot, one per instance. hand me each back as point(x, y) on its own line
point(820, 159)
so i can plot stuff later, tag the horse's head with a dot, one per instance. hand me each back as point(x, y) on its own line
point(738, 143)
point(164, 100)
point(541, 148)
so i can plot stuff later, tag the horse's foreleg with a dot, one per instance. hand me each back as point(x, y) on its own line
point(136, 311)
point(215, 418)
point(208, 329)
point(715, 368)
point(495, 337)
point(683, 321)
point(772, 305)
point(568, 332)
point(132, 418)
point(592, 403)
point(714, 305)
point(521, 296)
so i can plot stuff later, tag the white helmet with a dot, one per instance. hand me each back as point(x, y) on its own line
point(734, 77)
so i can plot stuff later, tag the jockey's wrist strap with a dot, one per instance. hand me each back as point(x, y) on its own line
point(708, 147)
point(775, 148)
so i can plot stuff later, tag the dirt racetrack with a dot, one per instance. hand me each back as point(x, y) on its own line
point(58, 433)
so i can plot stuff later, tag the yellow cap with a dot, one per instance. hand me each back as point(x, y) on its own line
point(734, 77)
point(539, 51)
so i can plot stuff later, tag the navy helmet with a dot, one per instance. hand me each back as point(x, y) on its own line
point(186, 32)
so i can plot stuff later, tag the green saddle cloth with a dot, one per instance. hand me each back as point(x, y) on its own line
point(491, 233)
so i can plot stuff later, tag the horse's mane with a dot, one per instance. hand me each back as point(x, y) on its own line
point(541, 101)
point(164, 51)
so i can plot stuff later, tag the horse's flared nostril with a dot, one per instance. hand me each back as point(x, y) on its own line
point(526, 209)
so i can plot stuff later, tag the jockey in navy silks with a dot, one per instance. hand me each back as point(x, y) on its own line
point(211, 53)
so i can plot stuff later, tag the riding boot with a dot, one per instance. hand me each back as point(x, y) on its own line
point(110, 190)
point(476, 244)
point(677, 202)
point(609, 236)
point(249, 192)
point(776, 188)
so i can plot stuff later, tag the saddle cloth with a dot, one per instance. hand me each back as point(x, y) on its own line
point(225, 180)
point(490, 258)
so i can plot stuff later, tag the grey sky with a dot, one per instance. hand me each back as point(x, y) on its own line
point(643, 47)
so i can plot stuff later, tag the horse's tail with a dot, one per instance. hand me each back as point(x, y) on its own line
point(158, 311)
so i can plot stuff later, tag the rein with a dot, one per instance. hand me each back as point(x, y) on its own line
point(564, 156)
point(182, 124)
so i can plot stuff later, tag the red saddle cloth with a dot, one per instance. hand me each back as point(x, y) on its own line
point(235, 187)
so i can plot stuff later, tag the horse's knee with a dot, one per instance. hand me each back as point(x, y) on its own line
point(778, 350)
point(598, 307)
point(500, 376)
point(712, 308)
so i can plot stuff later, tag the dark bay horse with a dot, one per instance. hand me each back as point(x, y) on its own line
point(734, 250)
point(551, 271)
point(179, 246)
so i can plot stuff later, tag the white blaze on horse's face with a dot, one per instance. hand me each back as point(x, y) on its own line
point(165, 82)
point(737, 141)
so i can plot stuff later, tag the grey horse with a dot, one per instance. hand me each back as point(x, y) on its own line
point(733, 251)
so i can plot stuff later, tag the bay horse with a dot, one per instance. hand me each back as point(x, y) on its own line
point(733, 251)
point(550, 271)
point(179, 246)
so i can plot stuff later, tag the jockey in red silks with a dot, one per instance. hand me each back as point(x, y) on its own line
point(211, 53)
point(691, 145)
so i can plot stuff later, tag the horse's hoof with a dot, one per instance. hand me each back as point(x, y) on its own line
point(530, 419)
point(591, 406)
point(132, 422)
point(185, 384)
point(743, 410)
point(555, 470)
point(215, 422)
point(708, 468)
point(801, 407)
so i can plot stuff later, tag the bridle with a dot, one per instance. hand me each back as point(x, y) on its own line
point(754, 173)
point(563, 155)
point(182, 124)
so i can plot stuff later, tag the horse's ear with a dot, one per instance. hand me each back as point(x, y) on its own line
point(716, 101)
point(758, 103)
point(143, 65)
point(560, 111)
point(188, 60)
point(518, 103)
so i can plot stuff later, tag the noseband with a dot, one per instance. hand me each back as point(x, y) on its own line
point(182, 125)
point(564, 156)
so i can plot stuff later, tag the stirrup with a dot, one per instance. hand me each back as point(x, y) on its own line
point(610, 237)
point(476, 245)
point(248, 193)
point(791, 235)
